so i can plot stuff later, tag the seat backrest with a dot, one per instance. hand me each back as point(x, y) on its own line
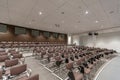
point(18, 69)
point(69, 66)
point(3, 58)
point(78, 62)
point(35, 77)
point(9, 63)
point(3, 53)
point(0, 74)
point(17, 56)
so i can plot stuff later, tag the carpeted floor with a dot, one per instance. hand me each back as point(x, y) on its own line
point(37, 68)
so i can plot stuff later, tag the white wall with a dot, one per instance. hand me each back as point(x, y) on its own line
point(76, 39)
point(106, 40)
point(69, 39)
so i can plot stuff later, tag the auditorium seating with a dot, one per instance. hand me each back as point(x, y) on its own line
point(10, 63)
point(35, 77)
point(3, 58)
point(87, 57)
point(78, 62)
point(20, 71)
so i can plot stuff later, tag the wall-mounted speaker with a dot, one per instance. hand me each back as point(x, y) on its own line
point(90, 33)
point(96, 34)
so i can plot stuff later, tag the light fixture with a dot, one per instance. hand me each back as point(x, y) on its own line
point(86, 12)
point(40, 13)
point(96, 21)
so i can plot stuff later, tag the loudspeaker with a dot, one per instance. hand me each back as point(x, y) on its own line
point(90, 33)
point(96, 33)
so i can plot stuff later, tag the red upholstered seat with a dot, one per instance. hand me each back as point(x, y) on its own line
point(17, 56)
point(35, 77)
point(9, 63)
point(3, 58)
point(18, 70)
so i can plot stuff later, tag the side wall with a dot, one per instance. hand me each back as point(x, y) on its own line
point(106, 40)
point(10, 36)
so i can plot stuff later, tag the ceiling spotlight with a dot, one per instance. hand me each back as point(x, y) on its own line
point(96, 21)
point(86, 12)
point(40, 13)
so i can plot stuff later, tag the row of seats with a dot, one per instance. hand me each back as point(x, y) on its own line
point(29, 44)
point(83, 58)
point(10, 54)
point(12, 66)
point(18, 73)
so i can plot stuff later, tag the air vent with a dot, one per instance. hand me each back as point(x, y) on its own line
point(57, 25)
point(62, 12)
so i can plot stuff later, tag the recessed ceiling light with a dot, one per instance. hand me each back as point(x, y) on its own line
point(86, 12)
point(96, 21)
point(40, 13)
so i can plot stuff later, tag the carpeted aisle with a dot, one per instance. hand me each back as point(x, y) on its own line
point(39, 69)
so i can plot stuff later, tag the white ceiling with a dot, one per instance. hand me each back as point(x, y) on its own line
point(68, 14)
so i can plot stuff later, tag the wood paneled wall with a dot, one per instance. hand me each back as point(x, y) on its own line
point(10, 36)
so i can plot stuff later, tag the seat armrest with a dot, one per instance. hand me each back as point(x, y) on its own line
point(28, 72)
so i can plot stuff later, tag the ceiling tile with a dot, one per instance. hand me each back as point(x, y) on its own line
point(4, 18)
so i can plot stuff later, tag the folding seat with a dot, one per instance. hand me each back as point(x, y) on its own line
point(49, 56)
point(58, 61)
point(79, 62)
point(66, 60)
point(35, 77)
point(19, 56)
point(20, 71)
point(3, 58)
point(72, 58)
point(73, 75)
point(87, 71)
point(42, 54)
point(3, 53)
point(14, 52)
point(10, 63)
